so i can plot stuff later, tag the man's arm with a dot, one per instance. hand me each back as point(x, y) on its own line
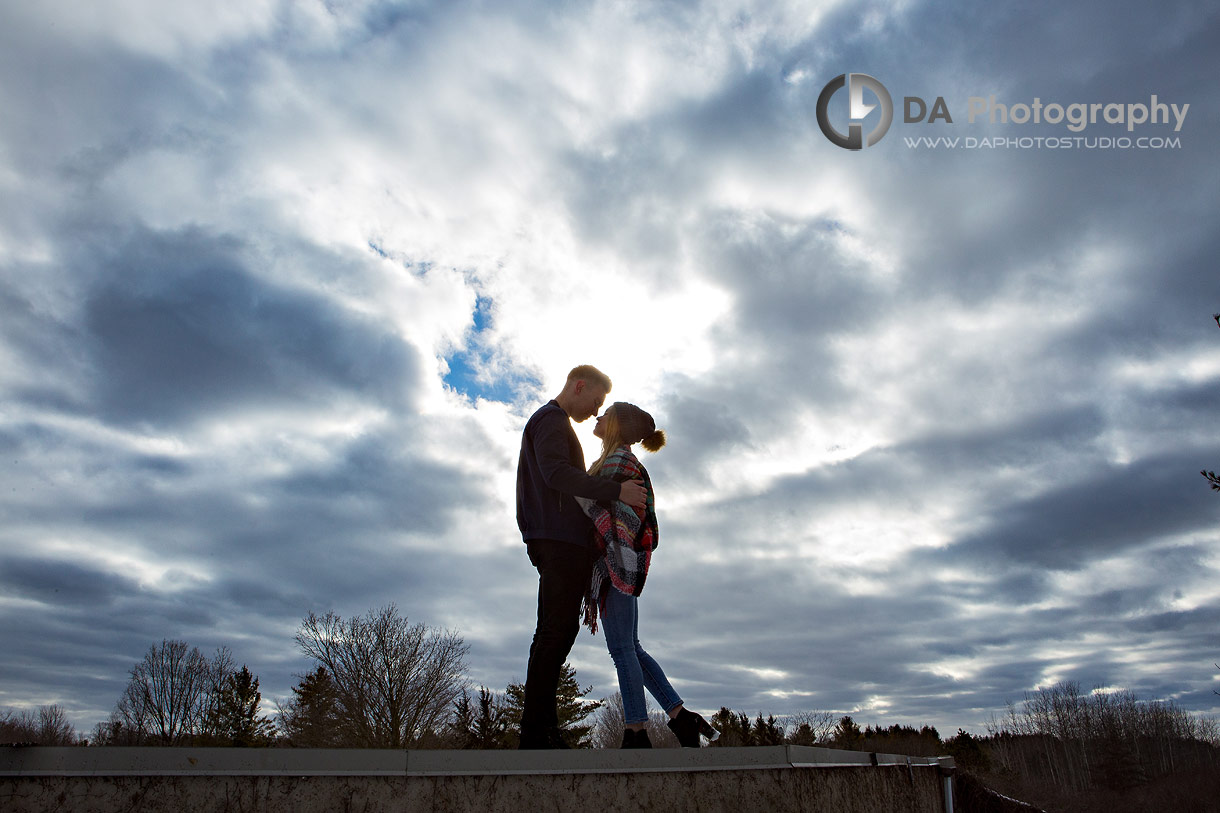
point(551, 449)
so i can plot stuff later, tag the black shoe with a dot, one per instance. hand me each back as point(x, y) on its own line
point(687, 727)
point(636, 739)
point(533, 738)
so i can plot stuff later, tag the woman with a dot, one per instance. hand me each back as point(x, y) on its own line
point(626, 538)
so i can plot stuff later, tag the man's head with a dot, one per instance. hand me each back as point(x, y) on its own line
point(584, 392)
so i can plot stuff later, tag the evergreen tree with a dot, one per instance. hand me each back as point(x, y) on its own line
point(234, 717)
point(486, 726)
point(902, 739)
point(847, 735)
point(461, 727)
point(492, 723)
point(967, 751)
point(742, 724)
point(571, 710)
point(767, 732)
point(734, 727)
point(311, 718)
point(723, 721)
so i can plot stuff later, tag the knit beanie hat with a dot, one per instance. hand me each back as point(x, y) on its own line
point(633, 423)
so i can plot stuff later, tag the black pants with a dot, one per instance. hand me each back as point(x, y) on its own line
point(564, 571)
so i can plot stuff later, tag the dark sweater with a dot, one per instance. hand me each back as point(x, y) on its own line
point(550, 471)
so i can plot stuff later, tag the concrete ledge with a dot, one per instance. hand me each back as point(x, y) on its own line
point(173, 780)
point(108, 761)
point(40, 761)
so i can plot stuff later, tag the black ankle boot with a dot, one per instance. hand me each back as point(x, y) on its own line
point(687, 727)
point(636, 739)
point(533, 738)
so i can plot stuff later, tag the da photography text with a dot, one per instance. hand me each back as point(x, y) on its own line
point(1074, 117)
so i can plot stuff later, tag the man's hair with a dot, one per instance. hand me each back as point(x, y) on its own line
point(590, 373)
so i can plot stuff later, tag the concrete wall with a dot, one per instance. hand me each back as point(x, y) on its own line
point(184, 780)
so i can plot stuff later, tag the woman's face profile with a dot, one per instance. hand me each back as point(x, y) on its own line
point(599, 426)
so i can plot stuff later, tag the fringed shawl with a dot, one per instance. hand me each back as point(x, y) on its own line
point(625, 536)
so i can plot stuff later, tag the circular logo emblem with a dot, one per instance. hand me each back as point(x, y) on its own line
point(857, 112)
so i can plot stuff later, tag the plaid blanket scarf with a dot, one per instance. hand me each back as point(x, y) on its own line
point(625, 536)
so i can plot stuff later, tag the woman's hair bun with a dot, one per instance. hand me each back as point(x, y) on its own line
point(653, 440)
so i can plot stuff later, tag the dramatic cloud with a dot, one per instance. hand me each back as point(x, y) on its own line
point(280, 284)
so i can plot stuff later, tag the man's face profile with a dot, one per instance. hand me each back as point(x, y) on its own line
point(589, 399)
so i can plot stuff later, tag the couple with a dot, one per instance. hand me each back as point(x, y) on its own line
point(591, 536)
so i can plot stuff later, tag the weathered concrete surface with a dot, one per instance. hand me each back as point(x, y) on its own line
point(108, 780)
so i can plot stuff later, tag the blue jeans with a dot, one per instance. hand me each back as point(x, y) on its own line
point(636, 668)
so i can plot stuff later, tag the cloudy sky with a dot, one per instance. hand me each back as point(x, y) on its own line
point(281, 281)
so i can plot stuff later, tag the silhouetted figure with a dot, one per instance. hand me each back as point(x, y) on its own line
point(559, 538)
point(626, 537)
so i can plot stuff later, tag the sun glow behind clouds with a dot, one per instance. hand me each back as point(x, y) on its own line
point(872, 534)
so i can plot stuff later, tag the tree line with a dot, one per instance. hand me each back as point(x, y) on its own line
point(46, 725)
point(1104, 751)
point(1079, 740)
point(378, 681)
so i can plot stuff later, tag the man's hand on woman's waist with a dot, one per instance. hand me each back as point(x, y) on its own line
point(633, 493)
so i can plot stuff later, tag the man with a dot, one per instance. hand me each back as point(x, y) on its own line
point(559, 538)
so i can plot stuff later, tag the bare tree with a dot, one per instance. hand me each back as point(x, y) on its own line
point(172, 693)
point(54, 727)
point(47, 726)
point(1109, 736)
point(395, 682)
point(809, 727)
point(659, 733)
point(609, 723)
